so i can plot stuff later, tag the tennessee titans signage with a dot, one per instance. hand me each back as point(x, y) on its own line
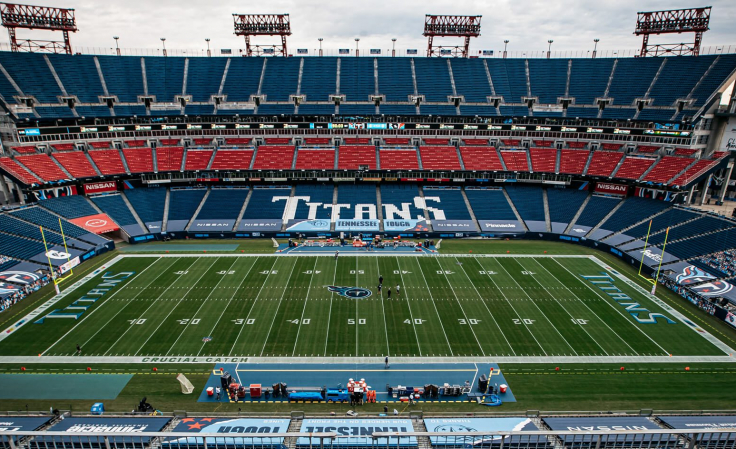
point(350, 292)
point(710, 287)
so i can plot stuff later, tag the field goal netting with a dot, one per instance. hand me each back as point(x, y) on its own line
point(652, 279)
point(186, 386)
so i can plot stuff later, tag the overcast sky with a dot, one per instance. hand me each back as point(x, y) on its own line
point(527, 24)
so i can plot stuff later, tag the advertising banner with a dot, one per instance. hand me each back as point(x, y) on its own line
point(702, 282)
point(21, 274)
point(516, 424)
point(360, 431)
point(12, 423)
point(405, 225)
point(610, 188)
point(176, 225)
point(154, 226)
point(308, 225)
point(96, 224)
point(7, 290)
point(594, 424)
point(501, 226)
point(94, 424)
point(57, 255)
point(212, 225)
point(715, 423)
point(54, 192)
point(652, 257)
point(454, 225)
point(579, 230)
point(357, 225)
point(100, 187)
point(536, 226)
point(260, 224)
point(231, 431)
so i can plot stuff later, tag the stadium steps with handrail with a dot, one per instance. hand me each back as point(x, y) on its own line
point(290, 205)
point(651, 167)
point(134, 212)
point(375, 82)
point(295, 426)
point(452, 83)
point(426, 212)
point(144, 77)
point(545, 202)
point(587, 163)
point(660, 231)
point(617, 167)
point(683, 171)
point(242, 210)
point(184, 78)
point(470, 209)
point(58, 81)
point(92, 163)
point(423, 442)
point(155, 160)
point(513, 208)
point(334, 201)
point(31, 172)
point(529, 160)
point(419, 158)
point(183, 165)
point(102, 77)
point(608, 86)
point(122, 159)
point(697, 85)
point(500, 158)
point(212, 158)
point(558, 156)
point(61, 167)
point(199, 208)
point(224, 77)
point(608, 215)
point(638, 223)
point(651, 85)
point(577, 215)
point(414, 80)
point(165, 222)
point(490, 83)
point(379, 208)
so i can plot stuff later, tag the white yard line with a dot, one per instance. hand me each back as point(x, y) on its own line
point(329, 314)
point(186, 326)
point(510, 305)
point(235, 292)
point(151, 305)
point(535, 305)
point(411, 315)
point(434, 304)
point(275, 314)
point(564, 308)
point(617, 309)
point(98, 308)
point(306, 300)
point(591, 310)
point(253, 306)
point(175, 306)
point(357, 284)
point(383, 309)
point(449, 284)
point(486, 306)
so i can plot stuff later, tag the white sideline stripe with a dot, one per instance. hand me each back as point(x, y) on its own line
point(511, 305)
point(355, 254)
point(255, 300)
point(176, 306)
point(98, 308)
point(537, 306)
point(306, 300)
point(127, 303)
point(235, 292)
point(54, 299)
point(383, 309)
point(588, 307)
point(434, 304)
point(480, 297)
point(151, 305)
point(278, 306)
point(200, 306)
point(411, 315)
point(705, 334)
point(565, 309)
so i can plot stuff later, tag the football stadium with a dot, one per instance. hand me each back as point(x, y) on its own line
point(433, 247)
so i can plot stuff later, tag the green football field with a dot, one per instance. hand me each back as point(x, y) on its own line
point(283, 306)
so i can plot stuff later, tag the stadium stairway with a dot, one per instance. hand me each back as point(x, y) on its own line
point(426, 212)
point(418, 424)
point(334, 201)
point(199, 208)
point(470, 209)
point(92, 163)
point(659, 231)
point(133, 211)
point(125, 163)
point(379, 208)
point(165, 221)
point(638, 223)
point(613, 211)
point(295, 426)
point(577, 215)
point(242, 210)
point(545, 202)
point(513, 208)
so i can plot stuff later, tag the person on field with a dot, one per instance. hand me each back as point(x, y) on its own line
point(218, 391)
point(79, 350)
point(398, 290)
point(389, 293)
point(386, 362)
point(380, 279)
point(380, 286)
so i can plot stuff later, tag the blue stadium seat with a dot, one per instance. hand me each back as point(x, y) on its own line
point(184, 202)
point(528, 202)
point(114, 206)
point(223, 203)
point(148, 203)
point(490, 204)
point(263, 205)
point(596, 209)
point(563, 205)
point(73, 206)
point(395, 80)
point(319, 80)
point(317, 194)
point(451, 202)
point(400, 197)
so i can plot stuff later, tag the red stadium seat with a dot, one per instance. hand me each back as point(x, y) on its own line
point(25, 150)
point(543, 159)
point(270, 157)
point(277, 140)
point(647, 149)
point(357, 140)
point(16, 170)
point(603, 163)
point(667, 168)
point(399, 160)
point(576, 144)
point(694, 172)
point(315, 159)
point(475, 142)
point(107, 161)
point(633, 167)
point(232, 159)
point(139, 143)
point(352, 157)
point(167, 142)
point(76, 163)
point(317, 141)
point(169, 158)
point(685, 151)
point(573, 161)
point(198, 159)
point(238, 141)
point(543, 143)
point(202, 141)
point(436, 142)
point(396, 140)
point(611, 146)
point(439, 158)
point(43, 166)
point(139, 160)
point(511, 142)
point(64, 147)
point(515, 160)
point(480, 158)
point(99, 145)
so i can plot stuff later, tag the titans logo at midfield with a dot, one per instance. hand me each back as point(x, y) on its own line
point(350, 292)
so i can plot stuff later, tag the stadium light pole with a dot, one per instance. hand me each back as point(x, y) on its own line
point(163, 42)
point(357, 52)
point(549, 49)
point(320, 45)
point(117, 47)
point(505, 43)
point(595, 48)
point(207, 39)
point(393, 47)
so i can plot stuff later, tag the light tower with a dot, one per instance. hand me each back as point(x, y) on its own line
point(163, 42)
point(117, 47)
point(450, 26)
point(38, 18)
point(357, 51)
point(505, 44)
point(693, 20)
point(249, 25)
point(207, 39)
point(549, 49)
point(320, 45)
point(595, 48)
point(393, 47)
